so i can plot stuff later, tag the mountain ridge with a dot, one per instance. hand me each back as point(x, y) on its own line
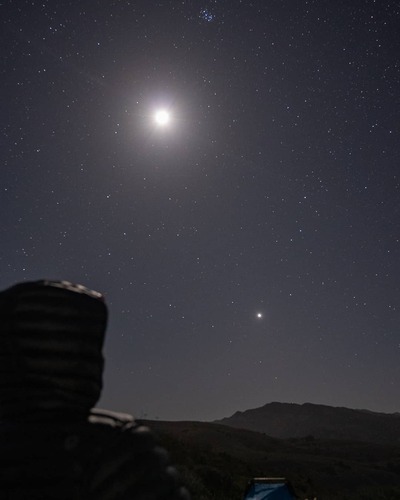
point(292, 420)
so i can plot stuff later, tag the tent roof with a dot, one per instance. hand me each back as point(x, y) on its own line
point(269, 488)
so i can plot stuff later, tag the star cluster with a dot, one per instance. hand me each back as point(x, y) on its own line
point(248, 251)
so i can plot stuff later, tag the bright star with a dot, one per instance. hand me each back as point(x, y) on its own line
point(162, 117)
point(259, 315)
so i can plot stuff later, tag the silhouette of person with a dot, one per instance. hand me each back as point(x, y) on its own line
point(53, 444)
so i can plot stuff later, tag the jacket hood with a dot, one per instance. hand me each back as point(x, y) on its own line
point(51, 340)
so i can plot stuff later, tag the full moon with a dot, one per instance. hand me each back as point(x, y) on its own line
point(162, 117)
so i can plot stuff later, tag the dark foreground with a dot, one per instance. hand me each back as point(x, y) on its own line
point(216, 462)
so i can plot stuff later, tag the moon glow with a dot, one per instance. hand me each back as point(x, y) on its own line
point(162, 117)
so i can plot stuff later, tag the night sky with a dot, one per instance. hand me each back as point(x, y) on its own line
point(248, 248)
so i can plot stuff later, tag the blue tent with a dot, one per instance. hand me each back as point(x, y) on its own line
point(269, 489)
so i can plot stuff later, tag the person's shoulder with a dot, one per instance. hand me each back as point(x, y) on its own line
point(110, 418)
point(122, 424)
point(129, 459)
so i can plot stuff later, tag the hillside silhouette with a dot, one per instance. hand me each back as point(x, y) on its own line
point(286, 420)
point(217, 460)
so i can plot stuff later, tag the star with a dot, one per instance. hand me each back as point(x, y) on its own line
point(259, 315)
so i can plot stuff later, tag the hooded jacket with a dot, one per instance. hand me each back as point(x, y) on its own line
point(53, 444)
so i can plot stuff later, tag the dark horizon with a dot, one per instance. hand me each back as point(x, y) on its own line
point(283, 403)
